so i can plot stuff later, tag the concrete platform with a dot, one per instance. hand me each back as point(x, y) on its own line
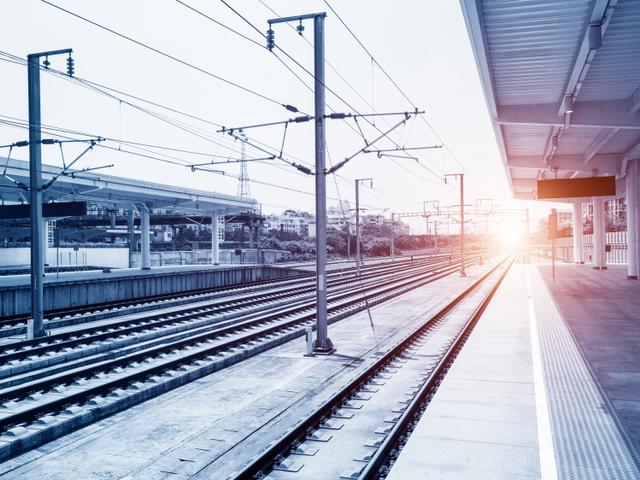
point(606, 327)
point(209, 428)
point(520, 401)
point(71, 289)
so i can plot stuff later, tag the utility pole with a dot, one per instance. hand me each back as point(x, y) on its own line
point(392, 247)
point(358, 181)
point(435, 236)
point(35, 326)
point(463, 273)
point(243, 181)
point(322, 344)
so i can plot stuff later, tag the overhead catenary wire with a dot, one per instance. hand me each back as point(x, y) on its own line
point(177, 162)
point(403, 93)
point(116, 32)
point(329, 89)
point(174, 58)
point(372, 107)
point(191, 129)
point(299, 79)
point(22, 123)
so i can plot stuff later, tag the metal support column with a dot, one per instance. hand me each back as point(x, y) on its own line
point(463, 273)
point(632, 220)
point(357, 182)
point(131, 234)
point(435, 236)
point(578, 256)
point(599, 260)
point(215, 241)
point(393, 237)
point(322, 344)
point(145, 240)
point(45, 242)
point(34, 324)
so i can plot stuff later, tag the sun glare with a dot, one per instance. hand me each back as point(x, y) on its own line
point(510, 238)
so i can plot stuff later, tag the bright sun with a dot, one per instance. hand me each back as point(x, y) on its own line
point(510, 237)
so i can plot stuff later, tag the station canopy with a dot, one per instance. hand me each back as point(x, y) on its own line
point(117, 192)
point(561, 80)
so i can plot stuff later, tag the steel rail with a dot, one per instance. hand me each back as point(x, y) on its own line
point(69, 339)
point(264, 462)
point(344, 301)
point(20, 319)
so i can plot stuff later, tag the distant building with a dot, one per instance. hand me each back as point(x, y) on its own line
point(565, 218)
point(290, 221)
point(340, 217)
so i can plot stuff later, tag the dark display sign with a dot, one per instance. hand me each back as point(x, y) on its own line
point(577, 187)
point(61, 209)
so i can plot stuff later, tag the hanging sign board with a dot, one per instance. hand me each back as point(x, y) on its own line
point(577, 187)
point(60, 209)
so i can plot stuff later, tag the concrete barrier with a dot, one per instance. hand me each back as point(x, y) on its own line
point(89, 288)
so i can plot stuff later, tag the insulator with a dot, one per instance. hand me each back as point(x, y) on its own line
point(300, 28)
point(70, 69)
point(271, 39)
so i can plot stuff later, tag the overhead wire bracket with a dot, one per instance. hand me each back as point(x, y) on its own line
point(368, 144)
point(65, 170)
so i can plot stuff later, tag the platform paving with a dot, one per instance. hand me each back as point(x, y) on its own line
point(602, 309)
point(209, 428)
point(519, 402)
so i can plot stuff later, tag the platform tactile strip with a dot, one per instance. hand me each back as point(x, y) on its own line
point(587, 442)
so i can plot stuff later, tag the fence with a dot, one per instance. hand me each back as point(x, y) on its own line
point(203, 257)
point(616, 245)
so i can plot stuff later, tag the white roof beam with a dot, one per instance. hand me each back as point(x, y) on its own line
point(600, 141)
point(600, 114)
point(601, 13)
point(602, 162)
point(471, 10)
point(632, 154)
point(635, 102)
point(528, 183)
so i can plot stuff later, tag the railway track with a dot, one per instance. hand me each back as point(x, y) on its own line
point(16, 324)
point(39, 357)
point(359, 431)
point(50, 387)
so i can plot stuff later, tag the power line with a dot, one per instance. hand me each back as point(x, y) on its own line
point(171, 160)
point(402, 92)
point(301, 66)
point(328, 88)
point(329, 64)
point(188, 128)
point(172, 57)
point(251, 40)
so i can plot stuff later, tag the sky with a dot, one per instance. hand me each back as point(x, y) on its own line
point(422, 45)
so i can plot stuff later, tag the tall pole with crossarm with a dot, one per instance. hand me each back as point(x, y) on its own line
point(463, 272)
point(322, 343)
point(35, 326)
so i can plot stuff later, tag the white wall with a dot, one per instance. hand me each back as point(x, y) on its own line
point(100, 257)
